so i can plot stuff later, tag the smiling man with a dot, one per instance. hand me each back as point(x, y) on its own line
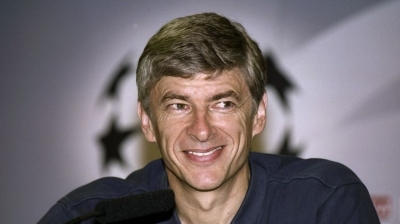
point(201, 82)
point(204, 126)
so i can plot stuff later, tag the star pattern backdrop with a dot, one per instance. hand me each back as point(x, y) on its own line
point(113, 138)
point(68, 93)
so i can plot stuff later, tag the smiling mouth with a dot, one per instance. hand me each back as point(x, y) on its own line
point(204, 153)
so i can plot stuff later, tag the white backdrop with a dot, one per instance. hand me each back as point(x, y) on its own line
point(58, 57)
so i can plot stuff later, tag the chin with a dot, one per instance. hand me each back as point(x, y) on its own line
point(206, 184)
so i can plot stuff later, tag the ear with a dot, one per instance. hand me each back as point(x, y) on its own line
point(260, 118)
point(146, 124)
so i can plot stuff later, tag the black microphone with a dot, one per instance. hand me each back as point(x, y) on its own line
point(129, 207)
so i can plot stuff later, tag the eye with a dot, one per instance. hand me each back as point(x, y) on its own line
point(178, 107)
point(225, 105)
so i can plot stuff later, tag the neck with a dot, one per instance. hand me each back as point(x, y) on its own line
point(215, 206)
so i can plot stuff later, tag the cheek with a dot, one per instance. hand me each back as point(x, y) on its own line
point(237, 126)
point(169, 132)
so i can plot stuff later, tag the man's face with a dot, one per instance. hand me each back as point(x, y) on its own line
point(203, 127)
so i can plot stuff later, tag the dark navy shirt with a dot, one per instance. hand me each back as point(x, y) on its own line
point(282, 190)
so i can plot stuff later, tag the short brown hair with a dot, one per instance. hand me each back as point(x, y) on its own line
point(201, 43)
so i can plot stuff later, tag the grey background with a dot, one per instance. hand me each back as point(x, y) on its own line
point(56, 57)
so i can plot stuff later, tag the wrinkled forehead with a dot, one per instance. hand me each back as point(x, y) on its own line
point(234, 73)
point(201, 83)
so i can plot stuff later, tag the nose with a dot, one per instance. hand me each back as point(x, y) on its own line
point(200, 127)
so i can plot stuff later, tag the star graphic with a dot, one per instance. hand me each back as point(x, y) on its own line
point(112, 140)
point(286, 148)
point(111, 91)
point(278, 80)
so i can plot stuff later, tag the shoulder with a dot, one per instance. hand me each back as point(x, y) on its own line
point(287, 168)
point(103, 188)
point(151, 177)
point(311, 190)
point(84, 199)
point(111, 187)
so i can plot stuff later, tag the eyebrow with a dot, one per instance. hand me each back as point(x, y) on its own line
point(173, 96)
point(229, 93)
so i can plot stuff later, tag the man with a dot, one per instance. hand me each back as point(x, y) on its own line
point(201, 82)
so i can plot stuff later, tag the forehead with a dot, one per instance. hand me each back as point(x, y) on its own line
point(201, 83)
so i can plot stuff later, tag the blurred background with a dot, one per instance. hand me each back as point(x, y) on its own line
point(68, 92)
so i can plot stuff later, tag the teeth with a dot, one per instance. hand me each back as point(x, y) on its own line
point(204, 153)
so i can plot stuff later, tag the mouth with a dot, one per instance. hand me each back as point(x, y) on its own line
point(201, 154)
